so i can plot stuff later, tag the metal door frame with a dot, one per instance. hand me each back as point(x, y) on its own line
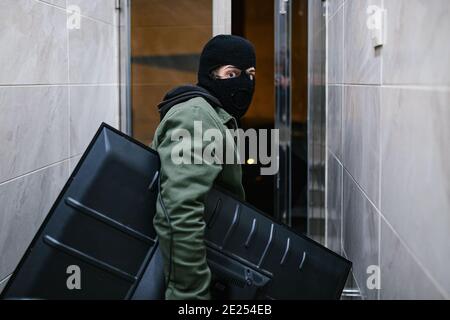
point(283, 108)
point(124, 58)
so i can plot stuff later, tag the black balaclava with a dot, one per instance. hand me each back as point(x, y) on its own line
point(235, 94)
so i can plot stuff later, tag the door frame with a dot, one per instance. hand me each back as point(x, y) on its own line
point(222, 24)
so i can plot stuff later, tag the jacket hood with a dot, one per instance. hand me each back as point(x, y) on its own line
point(182, 94)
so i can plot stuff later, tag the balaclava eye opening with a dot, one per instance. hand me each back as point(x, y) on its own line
point(235, 94)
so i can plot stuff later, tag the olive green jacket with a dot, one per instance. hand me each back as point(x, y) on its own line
point(183, 191)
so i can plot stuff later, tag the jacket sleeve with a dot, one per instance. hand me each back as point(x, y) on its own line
point(183, 191)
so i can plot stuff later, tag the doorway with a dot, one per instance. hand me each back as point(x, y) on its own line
point(281, 101)
point(165, 42)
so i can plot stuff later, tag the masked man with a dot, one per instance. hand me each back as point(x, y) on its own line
point(226, 83)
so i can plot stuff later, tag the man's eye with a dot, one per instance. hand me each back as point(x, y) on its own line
point(232, 74)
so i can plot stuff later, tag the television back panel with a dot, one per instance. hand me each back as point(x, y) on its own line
point(100, 228)
point(298, 267)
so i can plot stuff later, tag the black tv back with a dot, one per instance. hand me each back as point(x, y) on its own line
point(275, 260)
point(101, 225)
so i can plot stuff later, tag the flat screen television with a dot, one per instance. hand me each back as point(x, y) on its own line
point(100, 229)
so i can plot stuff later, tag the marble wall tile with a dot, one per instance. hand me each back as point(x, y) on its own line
point(34, 121)
point(92, 53)
point(334, 201)
point(58, 3)
point(334, 6)
point(406, 130)
point(3, 283)
point(362, 62)
point(418, 45)
point(334, 120)
point(360, 233)
point(34, 43)
point(336, 48)
point(103, 10)
point(361, 137)
point(33, 128)
point(401, 276)
point(415, 179)
point(89, 107)
point(25, 203)
point(73, 163)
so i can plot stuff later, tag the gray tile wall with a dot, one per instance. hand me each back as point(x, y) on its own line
point(387, 142)
point(56, 87)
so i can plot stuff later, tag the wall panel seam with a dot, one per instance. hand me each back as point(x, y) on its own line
point(54, 164)
point(415, 258)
